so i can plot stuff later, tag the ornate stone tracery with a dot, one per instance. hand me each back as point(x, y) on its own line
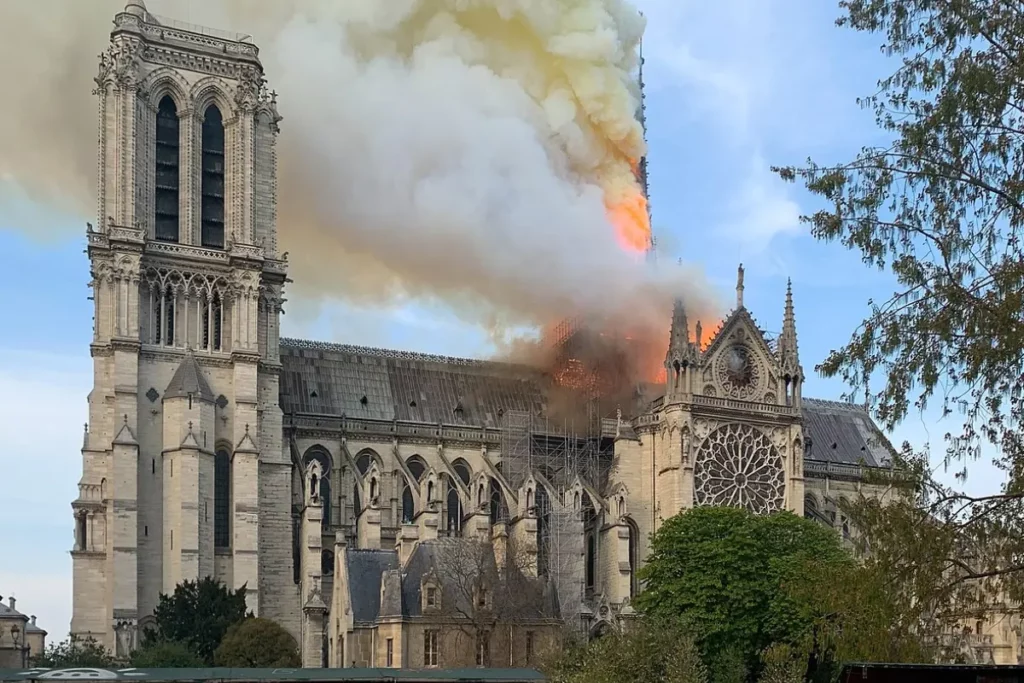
point(739, 466)
point(739, 372)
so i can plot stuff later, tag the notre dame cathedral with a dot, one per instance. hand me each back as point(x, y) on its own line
point(341, 484)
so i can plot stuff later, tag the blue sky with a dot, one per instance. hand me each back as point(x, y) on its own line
point(733, 87)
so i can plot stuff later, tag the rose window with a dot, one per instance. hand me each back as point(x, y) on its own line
point(738, 372)
point(737, 466)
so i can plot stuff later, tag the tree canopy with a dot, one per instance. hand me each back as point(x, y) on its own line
point(649, 651)
point(941, 205)
point(726, 573)
point(198, 615)
point(76, 653)
point(256, 642)
point(166, 655)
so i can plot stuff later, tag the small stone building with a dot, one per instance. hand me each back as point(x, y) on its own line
point(21, 639)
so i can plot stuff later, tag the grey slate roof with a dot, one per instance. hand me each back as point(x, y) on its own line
point(362, 382)
point(189, 379)
point(843, 433)
point(7, 612)
point(370, 569)
point(365, 569)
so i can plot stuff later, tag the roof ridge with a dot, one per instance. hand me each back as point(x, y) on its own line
point(398, 354)
point(845, 405)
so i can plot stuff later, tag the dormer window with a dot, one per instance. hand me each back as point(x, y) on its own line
point(431, 594)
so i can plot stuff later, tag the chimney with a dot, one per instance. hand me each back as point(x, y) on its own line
point(33, 617)
point(10, 601)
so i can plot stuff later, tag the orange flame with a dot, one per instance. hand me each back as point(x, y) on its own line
point(631, 222)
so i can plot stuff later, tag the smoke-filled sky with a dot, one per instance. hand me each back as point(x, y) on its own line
point(421, 204)
point(431, 149)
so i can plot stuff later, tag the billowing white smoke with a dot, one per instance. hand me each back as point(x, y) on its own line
point(461, 150)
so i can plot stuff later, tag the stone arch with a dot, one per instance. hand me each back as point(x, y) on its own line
point(372, 484)
point(323, 456)
point(212, 90)
point(166, 81)
point(417, 466)
point(600, 629)
point(462, 470)
point(429, 487)
point(365, 457)
point(480, 492)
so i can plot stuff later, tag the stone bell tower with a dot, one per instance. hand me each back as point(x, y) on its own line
point(183, 445)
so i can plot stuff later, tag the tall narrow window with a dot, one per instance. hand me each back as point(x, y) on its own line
point(430, 648)
point(408, 505)
point(454, 511)
point(591, 560)
point(212, 315)
point(325, 500)
point(169, 301)
point(634, 557)
point(167, 173)
point(483, 649)
point(222, 500)
point(213, 179)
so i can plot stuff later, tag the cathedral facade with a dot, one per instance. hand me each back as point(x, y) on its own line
point(348, 487)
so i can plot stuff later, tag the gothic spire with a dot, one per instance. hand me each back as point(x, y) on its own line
point(680, 349)
point(739, 287)
point(789, 356)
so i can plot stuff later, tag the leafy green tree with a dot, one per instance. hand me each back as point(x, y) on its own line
point(725, 573)
point(941, 205)
point(198, 615)
point(650, 651)
point(256, 642)
point(166, 655)
point(74, 653)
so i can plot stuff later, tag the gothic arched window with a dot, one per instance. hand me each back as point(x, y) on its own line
point(461, 468)
point(222, 499)
point(363, 462)
point(167, 171)
point(408, 505)
point(634, 557)
point(454, 511)
point(212, 209)
point(416, 466)
point(543, 531)
point(212, 314)
point(591, 560)
point(499, 507)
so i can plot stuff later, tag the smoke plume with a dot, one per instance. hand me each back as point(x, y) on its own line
point(469, 151)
